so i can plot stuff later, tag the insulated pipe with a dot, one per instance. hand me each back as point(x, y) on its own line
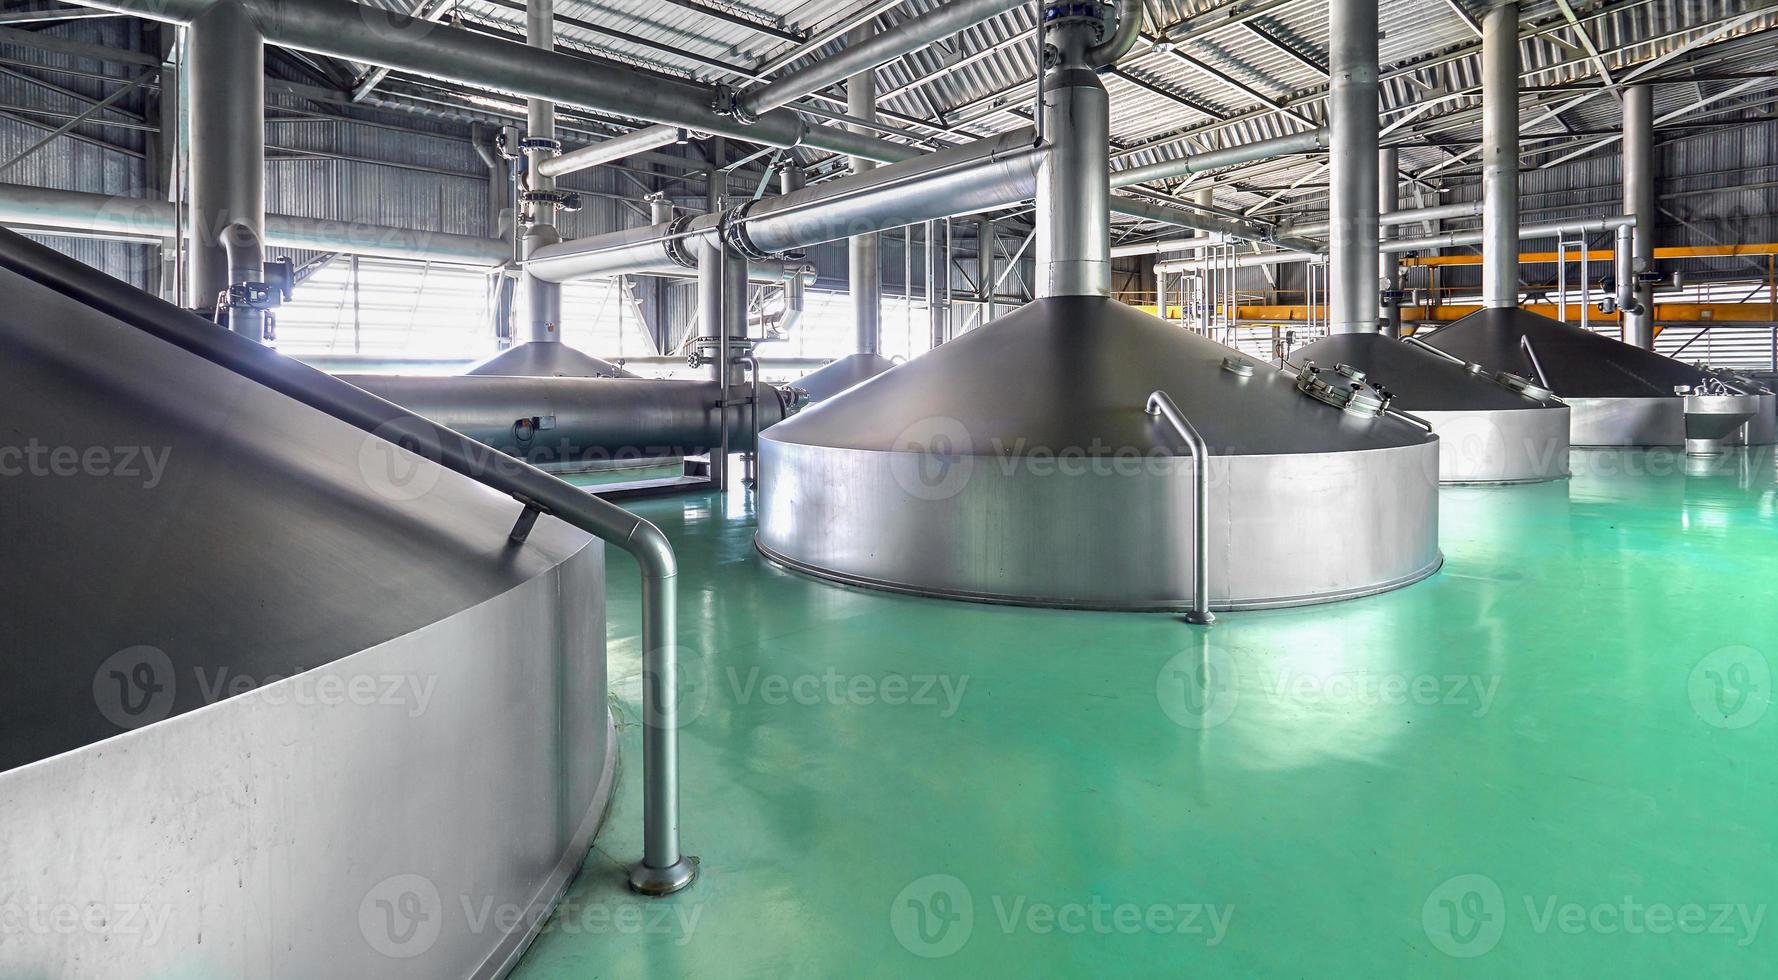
point(979, 176)
point(612, 150)
point(1074, 181)
point(1388, 199)
point(1245, 231)
point(864, 255)
point(456, 55)
point(1500, 156)
point(1639, 201)
point(82, 212)
point(790, 180)
point(1315, 139)
point(543, 300)
point(1391, 218)
point(1109, 52)
point(663, 869)
point(225, 86)
point(1352, 167)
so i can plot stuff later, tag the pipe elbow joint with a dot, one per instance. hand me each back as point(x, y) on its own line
point(652, 551)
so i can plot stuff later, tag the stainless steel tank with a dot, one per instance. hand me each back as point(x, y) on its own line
point(1493, 428)
point(1017, 464)
point(284, 699)
point(548, 359)
point(1617, 394)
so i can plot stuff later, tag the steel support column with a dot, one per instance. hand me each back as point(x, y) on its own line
point(1389, 199)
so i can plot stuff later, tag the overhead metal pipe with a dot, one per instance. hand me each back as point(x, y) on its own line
point(612, 150)
point(790, 180)
point(980, 176)
point(1254, 261)
point(466, 57)
point(1246, 231)
point(1500, 155)
point(1107, 53)
point(864, 255)
point(1391, 218)
point(1623, 225)
point(1639, 200)
point(1352, 167)
point(1197, 163)
point(83, 212)
point(1388, 198)
point(225, 91)
point(1074, 181)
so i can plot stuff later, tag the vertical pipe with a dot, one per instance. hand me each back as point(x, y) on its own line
point(790, 180)
point(225, 81)
point(863, 252)
point(1352, 163)
point(1074, 180)
point(1639, 202)
point(1389, 199)
point(984, 267)
point(710, 321)
point(543, 300)
point(938, 284)
point(1500, 156)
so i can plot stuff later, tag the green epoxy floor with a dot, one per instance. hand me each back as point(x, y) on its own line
point(1553, 758)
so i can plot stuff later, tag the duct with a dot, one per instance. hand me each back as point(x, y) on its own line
point(1639, 201)
point(864, 255)
point(465, 57)
point(1388, 199)
point(1073, 185)
point(577, 421)
point(225, 86)
point(1245, 231)
point(1112, 50)
point(612, 150)
point(81, 212)
point(1392, 218)
point(1500, 156)
point(1197, 163)
point(1352, 167)
point(978, 176)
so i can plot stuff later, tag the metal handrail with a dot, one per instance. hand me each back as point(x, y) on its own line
point(1160, 404)
point(1536, 365)
point(663, 869)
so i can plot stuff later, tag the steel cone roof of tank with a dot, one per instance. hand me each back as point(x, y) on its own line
point(831, 379)
point(1420, 380)
point(548, 359)
point(1578, 363)
point(271, 532)
point(1073, 374)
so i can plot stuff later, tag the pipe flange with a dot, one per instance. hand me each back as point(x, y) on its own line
point(734, 233)
point(553, 146)
point(1099, 15)
point(1354, 396)
point(676, 248)
point(726, 100)
point(568, 201)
